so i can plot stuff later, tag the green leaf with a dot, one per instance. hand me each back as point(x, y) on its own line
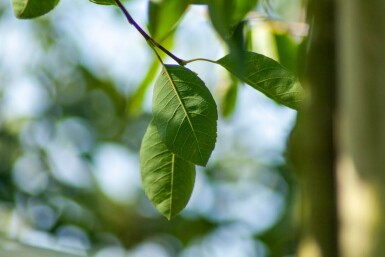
point(226, 14)
point(164, 16)
point(220, 12)
point(104, 2)
point(28, 9)
point(287, 50)
point(227, 19)
point(200, 2)
point(135, 101)
point(243, 7)
point(267, 76)
point(167, 179)
point(185, 114)
point(228, 99)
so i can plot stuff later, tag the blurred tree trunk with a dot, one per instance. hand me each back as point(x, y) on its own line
point(340, 131)
point(313, 145)
point(362, 132)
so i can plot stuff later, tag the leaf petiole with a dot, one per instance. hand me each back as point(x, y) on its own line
point(200, 59)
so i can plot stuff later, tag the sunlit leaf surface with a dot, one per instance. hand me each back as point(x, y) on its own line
point(267, 76)
point(185, 114)
point(167, 179)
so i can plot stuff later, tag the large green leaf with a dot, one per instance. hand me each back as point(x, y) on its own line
point(167, 179)
point(28, 9)
point(164, 16)
point(104, 2)
point(267, 76)
point(185, 114)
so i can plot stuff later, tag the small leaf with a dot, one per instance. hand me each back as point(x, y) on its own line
point(267, 76)
point(167, 179)
point(185, 114)
point(104, 2)
point(28, 9)
point(164, 16)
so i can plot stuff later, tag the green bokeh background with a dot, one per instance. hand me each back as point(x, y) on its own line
point(75, 96)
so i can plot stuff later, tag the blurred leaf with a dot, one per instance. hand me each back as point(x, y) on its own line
point(28, 9)
point(237, 45)
point(243, 7)
point(229, 97)
point(227, 19)
point(221, 16)
point(104, 2)
point(226, 14)
point(267, 76)
point(134, 104)
point(287, 51)
point(164, 16)
point(167, 179)
point(200, 1)
point(185, 114)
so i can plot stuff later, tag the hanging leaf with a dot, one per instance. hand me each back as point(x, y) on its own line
point(185, 114)
point(28, 9)
point(167, 179)
point(226, 14)
point(135, 101)
point(164, 16)
point(287, 50)
point(243, 7)
point(220, 12)
point(267, 76)
point(227, 17)
point(104, 2)
point(228, 99)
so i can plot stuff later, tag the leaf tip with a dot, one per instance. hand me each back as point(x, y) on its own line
point(24, 9)
point(169, 217)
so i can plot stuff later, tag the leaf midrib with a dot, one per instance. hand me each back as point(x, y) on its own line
point(24, 8)
point(184, 109)
point(172, 183)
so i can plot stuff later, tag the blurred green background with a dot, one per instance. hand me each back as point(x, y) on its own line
point(75, 99)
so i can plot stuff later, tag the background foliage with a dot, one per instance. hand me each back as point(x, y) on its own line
point(74, 89)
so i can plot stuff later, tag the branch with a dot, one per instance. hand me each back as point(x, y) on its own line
point(147, 37)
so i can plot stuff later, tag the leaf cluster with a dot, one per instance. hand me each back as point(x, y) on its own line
point(183, 129)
